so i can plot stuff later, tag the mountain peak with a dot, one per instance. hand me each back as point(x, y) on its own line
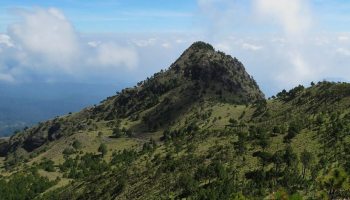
point(200, 45)
point(200, 62)
point(200, 76)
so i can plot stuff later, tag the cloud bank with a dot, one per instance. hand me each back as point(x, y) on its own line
point(45, 42)
point(279, 41)
point(293, 16)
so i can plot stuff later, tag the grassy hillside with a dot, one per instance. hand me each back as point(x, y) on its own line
point(199, 130)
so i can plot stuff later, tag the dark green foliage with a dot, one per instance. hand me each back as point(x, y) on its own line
point(334, 184)
point(123, 158)
point(117, 132)
point(103, 149)
point(233, 122)
point(241, 145)
point(306, 159)
point(219, 183)
point(23, 186)
point(84, 166)
point(76, 144)
point(287, 96)
point(68, 151)
point(290, 158)
point(265, 157)
point(293, 129)
point(149, 146)
point(260, 107)
point(187, 184)
point(47, 165)
point(202, 46)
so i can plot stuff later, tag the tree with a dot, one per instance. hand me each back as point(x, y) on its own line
point(334, 182)
point(264, 157)
point(77, 144)
point(233, 122)
point(129, 133)
point(187, 184)
point(306, 159)
point(103, 149)
point(278, 160)
point(293, 129)
point(264, 139)
point(241, 145)
point(47, 165)
point(276, 129)
point(290, 158)
point(117, 132)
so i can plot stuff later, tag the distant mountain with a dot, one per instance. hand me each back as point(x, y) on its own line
point(201, 129)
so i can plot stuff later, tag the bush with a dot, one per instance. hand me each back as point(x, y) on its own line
point(77, 144)
point(103, 149)
point(68, 151)
point(47, 165)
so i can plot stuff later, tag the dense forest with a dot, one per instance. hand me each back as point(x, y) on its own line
point(200, 130)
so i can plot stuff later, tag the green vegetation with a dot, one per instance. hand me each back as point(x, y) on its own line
point(24, 186)
point(200, 130)
point(103, 149)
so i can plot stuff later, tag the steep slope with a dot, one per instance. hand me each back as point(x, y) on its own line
point(281, 149)
point(200, 74)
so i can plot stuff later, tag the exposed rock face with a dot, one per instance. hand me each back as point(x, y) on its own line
point(3, 147)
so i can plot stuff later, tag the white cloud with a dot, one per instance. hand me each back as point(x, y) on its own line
point(289, 35)
point(294, 20)
point(343, 51)
point(46, 35)
point(179, 41)
point(343, 38)
point(6, 40)
point(94, 43)
point(111, 54)
point(321, 41)
point(223, 47)
point(166, 45)
point(145, 42)
point(279, 40)
point(219, 17)
point(251, 47)
point(292, 15)
point(44, 42)
point(302, 69)
point(286, 57)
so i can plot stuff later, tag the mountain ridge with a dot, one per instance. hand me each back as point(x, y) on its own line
point(199, 68)
point(200, 130)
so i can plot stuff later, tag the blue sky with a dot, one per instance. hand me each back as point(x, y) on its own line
point(117, 16)
point(95, 16)
point(282, 43)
